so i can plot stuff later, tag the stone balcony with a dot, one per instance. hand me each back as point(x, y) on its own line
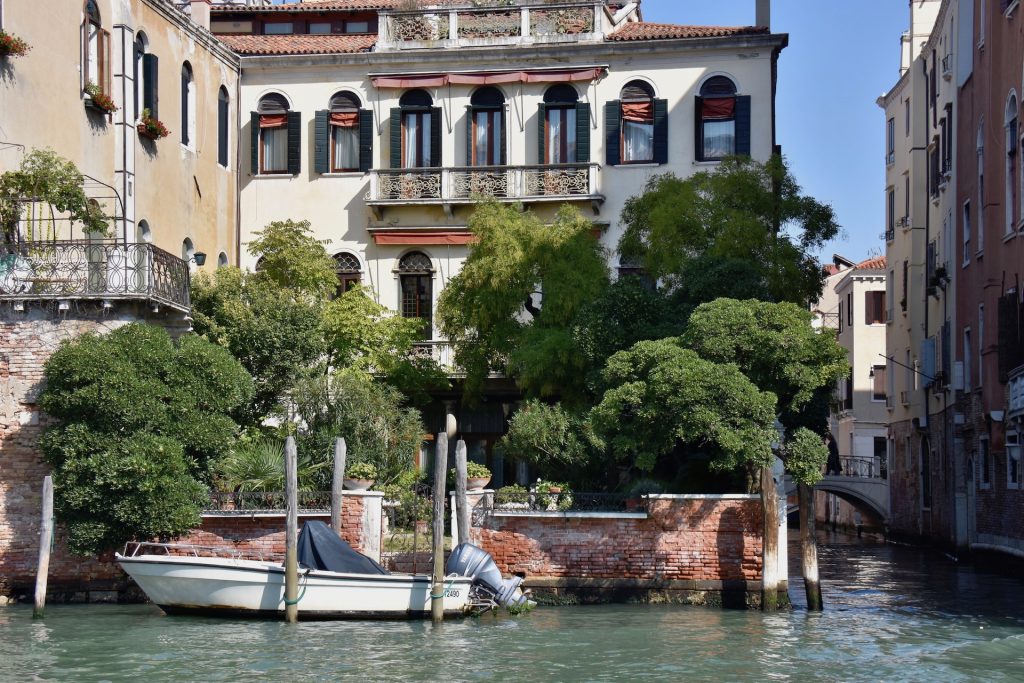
point(455, 25)
point(103, 271)
point(468, 184)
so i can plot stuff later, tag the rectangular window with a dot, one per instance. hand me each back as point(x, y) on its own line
point(842, 318)
point(849, 309)
point(881, 457)
point(1011, 175)
point(1013, 460)
point(934, 168)
point(415, 139)
point(561, 135)
point(357, 27)
point(874, 308)
point(981, 212)
point(890, 141)
point(487, 137)
point(320, 27)
point(967, 231)
point(345, 145)
point(637, 142)
point(906, 118)
point(417, 299)
point(890, 217)
point(890, 295)
point(906, 201)
point(906, 277)
point(879, 383)
point(278, 28)
point(968, 359)
point(274, 143)
point(984, 463)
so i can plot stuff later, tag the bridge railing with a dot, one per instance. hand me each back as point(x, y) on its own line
point(860, 466)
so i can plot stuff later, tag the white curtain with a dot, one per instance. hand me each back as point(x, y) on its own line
point(346, 148)
point(556, 119)
point(275, 149)
point(719, 139)
point(638, 141)
point(93, 67)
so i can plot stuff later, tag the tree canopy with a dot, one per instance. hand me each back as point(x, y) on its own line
point(293, 259)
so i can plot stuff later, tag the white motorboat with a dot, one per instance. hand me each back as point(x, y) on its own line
point(186, 579)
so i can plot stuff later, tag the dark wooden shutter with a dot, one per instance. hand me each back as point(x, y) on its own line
point(469, 135)
point(582, 133)
point(254, 137)
point(612, 132)
point(395, 133)
point(698, 128)
point(321, 142)
point(435, 137)
point(504, 138)
point(743, 125)
point(365, 140)
point(222, 131)
point(294, 142)
point(150, 80)
point(184, 109)
point(542, 136)
point(661, 131)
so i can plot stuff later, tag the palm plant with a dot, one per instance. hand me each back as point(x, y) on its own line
point(258, 465)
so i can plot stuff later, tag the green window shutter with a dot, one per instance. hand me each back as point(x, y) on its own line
point(395, 135)
point(542, 115)
point(743, 125)
point(661, 131)
point(150, 80)
point(365, 140)
point(294, 142)
point(582, 133)
point(254, 134)
point(698, 127)
point(321, 142)
point(612, 132)
point(435, 137)
point(470, 114)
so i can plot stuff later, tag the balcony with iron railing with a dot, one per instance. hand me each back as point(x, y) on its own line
point(494, 23)
point(468, 184)
point(64, 270)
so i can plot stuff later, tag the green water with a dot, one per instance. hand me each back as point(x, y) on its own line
point(893, 614)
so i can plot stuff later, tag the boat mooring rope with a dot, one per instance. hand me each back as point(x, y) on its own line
point(446, 588)
point(297, 600)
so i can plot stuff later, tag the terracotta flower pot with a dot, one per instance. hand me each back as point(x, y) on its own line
point(358, 484)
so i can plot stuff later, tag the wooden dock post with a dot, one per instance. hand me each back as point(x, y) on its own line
point(461, 502)
point(809, 545)
point(45, 541)
point(770, 543)
point(291, 559)
point(440, 472)
point(337, 483)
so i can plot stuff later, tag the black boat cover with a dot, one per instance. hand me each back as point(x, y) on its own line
point(321, 548)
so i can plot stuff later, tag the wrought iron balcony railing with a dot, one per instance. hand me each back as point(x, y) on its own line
point(63, 270)
point(464, 184)
point(494, 24)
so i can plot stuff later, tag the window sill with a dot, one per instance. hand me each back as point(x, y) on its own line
point(641, 164)
point(343, 174)
point(714, 162)
point(1009, 236)
point(978, 255)
point(273, 176)
point(1008, 12)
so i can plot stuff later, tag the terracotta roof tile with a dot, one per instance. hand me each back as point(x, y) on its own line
point(298, 44)
point(311, 6)
point(642, 30)
point(875, 263)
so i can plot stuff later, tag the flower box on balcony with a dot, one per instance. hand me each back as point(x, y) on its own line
point(151, 128)
point(12, 45)
point(96, 99)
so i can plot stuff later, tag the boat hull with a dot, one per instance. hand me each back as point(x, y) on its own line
point(229, 587)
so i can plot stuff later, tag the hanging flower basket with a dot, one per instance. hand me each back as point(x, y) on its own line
point(12, 46)
point(99, 100)
point(151, 128)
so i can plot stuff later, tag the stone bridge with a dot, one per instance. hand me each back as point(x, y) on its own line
point(867, 493)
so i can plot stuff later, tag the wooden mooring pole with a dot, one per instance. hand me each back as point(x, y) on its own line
point(45, 542)
point(770, 544)
point(461, 502)
point(291, 559)
point(809, 545)
point(337, 483)
point(440, 472)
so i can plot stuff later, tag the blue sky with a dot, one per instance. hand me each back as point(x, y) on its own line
point(842, 55)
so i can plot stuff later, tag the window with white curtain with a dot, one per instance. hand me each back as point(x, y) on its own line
point(344, 122)
point(637, 122)
point(273, 135)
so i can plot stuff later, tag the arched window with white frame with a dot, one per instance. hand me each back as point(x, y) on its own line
point(188, 105)
point(95, 51)
point(276, 137)
point(1011, 122)
point(416, 282)
point(348, 270)
point(723, 120)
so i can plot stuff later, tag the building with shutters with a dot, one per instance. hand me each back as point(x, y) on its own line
point(381, 123)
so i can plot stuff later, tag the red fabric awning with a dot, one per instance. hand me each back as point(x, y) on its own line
point(487, 78)
point(423, 237)
point(642, 112)
point(273, 120)
point(345, 119)
point(719, 107)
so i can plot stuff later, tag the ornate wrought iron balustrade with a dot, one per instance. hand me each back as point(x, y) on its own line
point(93, 270)
point(463, 184)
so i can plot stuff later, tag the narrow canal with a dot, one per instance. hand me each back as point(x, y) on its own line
point(892, 614)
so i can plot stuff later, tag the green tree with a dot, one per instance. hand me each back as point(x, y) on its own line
point(742, 230)
point(141, 419)
point(489, 310)
point(556, 441)
point(293, 259)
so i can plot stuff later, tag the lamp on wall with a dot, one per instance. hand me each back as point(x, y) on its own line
point(199, 258)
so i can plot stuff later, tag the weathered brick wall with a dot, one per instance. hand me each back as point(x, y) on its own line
point(683, 538)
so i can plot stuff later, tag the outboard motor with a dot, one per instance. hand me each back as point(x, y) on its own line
point(469, 560)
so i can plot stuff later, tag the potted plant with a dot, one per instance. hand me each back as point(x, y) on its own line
point(512, 497)
point(12, 45)
point(360, 476)
point(150, 127)
point(477, 476)
point(553, 495)
point(97, 99)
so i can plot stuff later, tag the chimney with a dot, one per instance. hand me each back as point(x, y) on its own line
point(200, 12)
point(763, 13)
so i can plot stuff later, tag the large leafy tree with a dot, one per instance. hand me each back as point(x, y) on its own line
point(743, 230)
point(293, 259)
point(141, 420)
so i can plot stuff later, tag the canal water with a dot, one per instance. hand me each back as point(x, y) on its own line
point(893, 613)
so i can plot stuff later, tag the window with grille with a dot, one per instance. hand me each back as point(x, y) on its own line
point(347, 268)
point(416, 275)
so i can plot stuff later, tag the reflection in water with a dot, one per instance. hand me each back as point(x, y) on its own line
point(892, 614)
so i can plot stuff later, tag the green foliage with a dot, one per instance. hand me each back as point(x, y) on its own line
point(484, 308)
point(660, 395)
point(45, 177)
point(141, 421)
point(361, 470)
point(645, 486)
point(743, 229)
point(258, 465)
point(513, 493)
point(547, 436)
point(806, 454)
point(475, 470)
point(406, 492)
point(552, 494)
point(271, 331)
point(293, 259)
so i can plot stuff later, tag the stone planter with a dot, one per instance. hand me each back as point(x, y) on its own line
point(476, 483)
point(358, 484)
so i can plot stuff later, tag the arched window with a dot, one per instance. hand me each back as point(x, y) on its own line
point(188, 250)
point(344, 132)
point(486, 128)
point(188, 106)
point(273, 137)
point(143, 233)
point(1012, 182)
point(222, 259)
point(565, 127)
point(95, 50)
point(723, 120)
point(980, 150)
point(346, 266)
point(147, 74)
point(223, 127)
point(415, 131)
point(416, 275)
point(637, 112)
